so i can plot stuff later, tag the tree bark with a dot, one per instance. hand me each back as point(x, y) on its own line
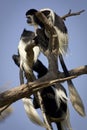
point(25, 90)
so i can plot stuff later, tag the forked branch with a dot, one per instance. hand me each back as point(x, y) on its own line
point(72, 14)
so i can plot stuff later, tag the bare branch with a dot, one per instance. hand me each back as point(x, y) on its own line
point(14, 94)
point(71, 14)
point(45, 117)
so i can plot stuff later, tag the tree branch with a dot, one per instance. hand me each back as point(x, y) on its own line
point(45, 117)
point(14, 94)
point(71, 14)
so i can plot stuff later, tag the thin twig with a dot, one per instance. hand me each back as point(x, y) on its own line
point(46, 120)
point(71, 14)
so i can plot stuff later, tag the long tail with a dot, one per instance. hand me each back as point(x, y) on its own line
point(32, 113)
point(29, 108)
point(74, 95)
point(6, 113)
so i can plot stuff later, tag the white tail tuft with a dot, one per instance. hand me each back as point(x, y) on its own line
point(32, 113)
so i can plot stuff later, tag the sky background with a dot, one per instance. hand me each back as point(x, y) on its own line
point(12, 23)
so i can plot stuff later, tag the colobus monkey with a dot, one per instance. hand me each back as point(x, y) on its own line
point(27, 51)
point(25, 59)
point(54, 100)
point(53, 19)
point(62, 33)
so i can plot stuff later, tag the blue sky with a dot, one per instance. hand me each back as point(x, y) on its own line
point(12, 23)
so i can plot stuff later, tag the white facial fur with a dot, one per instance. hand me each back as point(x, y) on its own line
point(51, 13)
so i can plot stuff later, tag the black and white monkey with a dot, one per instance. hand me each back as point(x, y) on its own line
point(62, 33)
point(27, 56)
point(55, 99)
point(28, 52)
point(53, 19)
